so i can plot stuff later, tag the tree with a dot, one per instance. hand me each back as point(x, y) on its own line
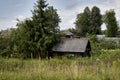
point(40, 32)
point(5, 41)
point(46, 24)
point(83, 22)
point(89, 21)
point(52, 19)
point(52, 36)
point(39, 21)
point(96, 21)
point(111, 23)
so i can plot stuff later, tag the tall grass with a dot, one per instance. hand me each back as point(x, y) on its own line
point(100, 68)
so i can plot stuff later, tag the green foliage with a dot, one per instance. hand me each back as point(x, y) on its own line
point(97, 46)
point(52, 20)
point(111, 54)
point(104, 67)
point(111, 23)
point(46, 25)
point(74, 31)
point(91, 38)
point(105, 44)
point(94, 44)
point(5, 43)
point(22, 45)
point(89, 21)
point(83, 22)
point(95, 21)
point(34, 38)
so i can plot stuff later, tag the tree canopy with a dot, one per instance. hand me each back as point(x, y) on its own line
point(83, 22)
point(111, 23)
point(96, 21)
point(35, 36)
point(89, 21)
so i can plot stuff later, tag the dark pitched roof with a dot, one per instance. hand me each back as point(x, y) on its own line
point(71, 45)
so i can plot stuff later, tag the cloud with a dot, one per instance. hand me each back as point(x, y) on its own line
point(8, 23)
point(20, 17)
point(18, 5)
point(73, 5)
point(103, 26)
point(67, 17)
point(14, 21)
point(117, 2)
point(69, 10)
point(69, 13)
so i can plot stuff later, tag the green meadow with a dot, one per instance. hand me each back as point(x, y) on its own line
point(106, 66)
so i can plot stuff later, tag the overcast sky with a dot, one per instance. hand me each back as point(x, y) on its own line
point(67, 10)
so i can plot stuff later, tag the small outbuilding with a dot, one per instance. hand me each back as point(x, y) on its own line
point(75, 47)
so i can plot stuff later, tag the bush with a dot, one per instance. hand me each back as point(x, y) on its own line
point(96, 46)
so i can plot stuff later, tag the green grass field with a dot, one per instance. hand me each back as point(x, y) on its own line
point(104, 67)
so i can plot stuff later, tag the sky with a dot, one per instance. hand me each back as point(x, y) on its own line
point(10, 10)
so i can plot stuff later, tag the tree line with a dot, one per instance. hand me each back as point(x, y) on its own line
point(91, 21)
point(34, 37)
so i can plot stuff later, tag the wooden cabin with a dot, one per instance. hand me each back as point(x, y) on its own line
point(75, 47)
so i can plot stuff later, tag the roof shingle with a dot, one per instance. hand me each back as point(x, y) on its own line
point(71, 45)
